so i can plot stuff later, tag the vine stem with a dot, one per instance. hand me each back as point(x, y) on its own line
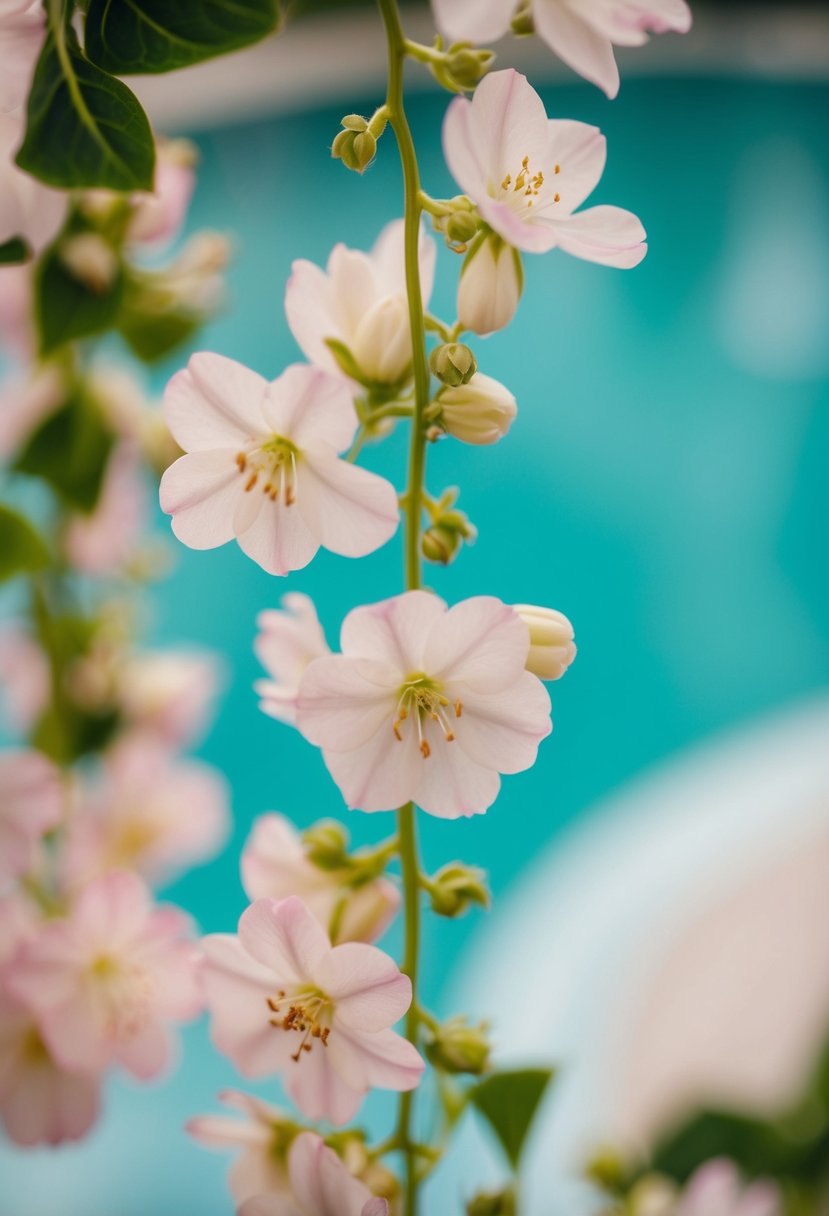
point(413, 507)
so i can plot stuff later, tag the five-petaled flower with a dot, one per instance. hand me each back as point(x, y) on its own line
point(283, 999)
point(262, 465)
point(581, 32)
point(321, 1186)
point(261, 1138)
point(426, 703)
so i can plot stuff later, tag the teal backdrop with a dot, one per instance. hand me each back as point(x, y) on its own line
point(665, 485)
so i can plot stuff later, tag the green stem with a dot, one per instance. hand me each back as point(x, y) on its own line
point(413, 505)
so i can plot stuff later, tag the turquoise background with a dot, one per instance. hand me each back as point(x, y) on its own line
point(665, 485)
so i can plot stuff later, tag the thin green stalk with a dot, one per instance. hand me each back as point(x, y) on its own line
point(413, 506)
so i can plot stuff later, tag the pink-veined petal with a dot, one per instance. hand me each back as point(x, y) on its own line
point(461, 148)
point(382, 1060)
point(481, 642)
point(369, 990)
point(581, 152)
point(308, 308)
point(478, 21)
point(503, 731)
point(214, 402)
point(390, 264)
point(283, 936)
point(451, 785)
point(531, 236)
point(380, 775)
point(393, 631)
point(509, 122)
point(351, 510)
point(588, 52)
point(343, 702)
point(278, 538)
point(201, 491)
point(237, 988)
point(306, 404)
point(609, 235)
point(318, 1089)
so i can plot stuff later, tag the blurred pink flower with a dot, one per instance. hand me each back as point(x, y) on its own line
point(31, 804)
point(158, 217)
point(19, 922)
point(527, 174)
point(170, 694)
point(288, 640)
point(581, 32)
point(103, 982)
point(105, 540)
point(716, 1189)
point(262, 466)
point(426, 703)
point(25, 678)
point(282, 999)
point(260, 1139)
point(275, 864)
point(17, 328)
point(321, 1185)
point(26, 403)
point(28, 209)
point(22, 30)
point(359, 300)
point(40, 1102)
point(149, 812)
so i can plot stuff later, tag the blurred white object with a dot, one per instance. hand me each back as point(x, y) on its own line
point(674, 951)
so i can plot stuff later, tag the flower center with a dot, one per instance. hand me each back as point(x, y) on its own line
point(123, 993)
point(422, 698)
point(306, 1013)
point(273, 467)
point(131, 840)
point(522, 189)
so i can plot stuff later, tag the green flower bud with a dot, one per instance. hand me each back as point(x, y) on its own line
point(356, 149)
point(440, 545)
point(522, 23)
point(492, 1203)
point(462, 227)
point(456, 887)
point(354, 122)
point(453, 363)
point(456, 1047)
point(462, 67)
point(326, 843)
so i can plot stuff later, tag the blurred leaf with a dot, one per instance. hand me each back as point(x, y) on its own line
point(152, 334)
point(84, 128)
point(14, 251)
point(141, 36)
point(22, 549)
point(70, 450)
point(509, 1101)
point(67, 309)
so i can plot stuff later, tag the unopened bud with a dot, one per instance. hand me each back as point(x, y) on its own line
point(441, 542)
point(356, 149)
point(453, 363)
point(480, 411)
point(91, 261)
point(457, 1047)
point(522, 23)
point(462, 67)
point(552, 648)
point(492, 1203)
point(462, 226)
point(354, 122)
point(490, 287)
point(326, 844)
point(456, 887)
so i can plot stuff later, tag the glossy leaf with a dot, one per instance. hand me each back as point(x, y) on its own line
point(144, 36)
point(14, 251)
point(70, 451)
point(509, 1102)
point(83, 127)
point(22, 549)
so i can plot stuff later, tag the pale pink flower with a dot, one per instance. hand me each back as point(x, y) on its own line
point(149, 812)
point(25, 678)
point(40, 1102)
point(158, 217)
point(527, 174)
point(275, 864)
point(260, 1139)
point(321, 1185)
point(581, 32)
point(28, 209)
point(359, 301)
point(19, 922)
point(262, 466)
point(106, 539)
point(26, 403)
point(22, 30)
point(169, 694)
point(288, 640)
point(716, 1189)
point(17, 326)
point(426, 703)
point(31, 804)
point(283, 999)
point(104, 981)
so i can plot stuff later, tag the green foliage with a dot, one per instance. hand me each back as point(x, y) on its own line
point(150, 323)
point(509, 1102)
point(147, 36)
point(68, 309)
point(70, 451)
point(14, 251)
point(84, 128)
point(22, 549)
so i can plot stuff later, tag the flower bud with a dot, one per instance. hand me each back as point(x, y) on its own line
point(440, 545)
point(490, 287)
point(91, 261)
point(457, 1047)
point(492, 1203)
point(456, 887)
point(462, 67)
point(356, 149)
point(552, 648)
point(480, 412)
point(453, 363)
point(382, 344)
point(326, 844)
point(462, 227)
point(522, 23)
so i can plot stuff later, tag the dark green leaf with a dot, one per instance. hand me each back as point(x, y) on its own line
point(83, 127)
point(14, 251)
point(509, 1101)
point(141, 36)
point(70, 451)
point(22, 549)
point(152, 335)
point(66, 309)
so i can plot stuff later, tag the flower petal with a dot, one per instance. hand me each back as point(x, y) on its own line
point(383, 1060)
point(283, 936)
point(393, 631)
point(369, 990)
point(318, 1088)
point(214, 402)
point(481, 642)
point(380, 775)
point(308, 308)
point(352, 511)
point(574, 40)
point(503, 730)
point(201, 491)
point(278, 539)
point(306, 404)
point(462, 149)
point(608, 235)
point(509, 123)
point(342, 703)
point(473, 20)
point(451, 785)
point(236, 988)
point(389, 261)
point(581, 152)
